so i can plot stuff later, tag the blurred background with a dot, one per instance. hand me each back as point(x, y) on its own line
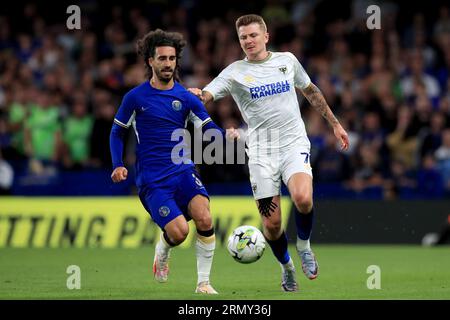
point(390, 88)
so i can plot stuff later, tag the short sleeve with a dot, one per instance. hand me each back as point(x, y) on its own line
point(301, 78)
point(221, 85)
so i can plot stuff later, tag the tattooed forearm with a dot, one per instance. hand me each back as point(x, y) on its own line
point(317, 100)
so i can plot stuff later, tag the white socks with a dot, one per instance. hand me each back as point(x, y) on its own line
point(162, 247)
point(205, 252)
point(302, 245)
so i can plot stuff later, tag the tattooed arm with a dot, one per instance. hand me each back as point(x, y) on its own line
point(317, 100)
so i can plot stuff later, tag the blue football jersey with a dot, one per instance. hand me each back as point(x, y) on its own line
point(154, 115)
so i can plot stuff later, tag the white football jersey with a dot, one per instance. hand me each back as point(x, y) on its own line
point(265, 93)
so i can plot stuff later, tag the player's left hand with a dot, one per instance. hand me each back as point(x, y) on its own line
point(342, 136)
point(232, 134)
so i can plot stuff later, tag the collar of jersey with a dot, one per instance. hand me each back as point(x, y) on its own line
point(161, 90)
point(260, 61)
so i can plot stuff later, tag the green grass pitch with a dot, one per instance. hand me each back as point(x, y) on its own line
point(407, 272)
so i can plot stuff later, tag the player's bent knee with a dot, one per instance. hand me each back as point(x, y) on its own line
point(303, 202)
point(179, 233)
point(179, 236)
point(204, 222)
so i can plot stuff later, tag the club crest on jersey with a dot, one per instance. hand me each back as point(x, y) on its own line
point(176, 105)
point(283, 69)
point(164, 211)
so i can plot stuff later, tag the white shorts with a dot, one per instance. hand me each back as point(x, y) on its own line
point(267, 171)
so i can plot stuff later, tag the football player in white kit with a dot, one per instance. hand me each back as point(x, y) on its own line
point(263, 87)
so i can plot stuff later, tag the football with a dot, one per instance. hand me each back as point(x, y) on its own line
point(246, 244)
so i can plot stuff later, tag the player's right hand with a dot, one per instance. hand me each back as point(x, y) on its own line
point(342, 136)
point(119, 174)
point(196, 92)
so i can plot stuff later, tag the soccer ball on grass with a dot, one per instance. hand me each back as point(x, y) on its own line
point(246, 244)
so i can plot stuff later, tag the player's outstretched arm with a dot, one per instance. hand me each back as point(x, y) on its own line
point(203, 119)
point(315, 97)
point(116, 137)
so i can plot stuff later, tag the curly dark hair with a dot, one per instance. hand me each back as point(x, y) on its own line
point(146, 47)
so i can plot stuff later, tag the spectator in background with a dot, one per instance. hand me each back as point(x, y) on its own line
point(422, 113)
point(442, 155)
point(17, 113)
point(374, 136)
point(200, 77)
point(380, 80)
point(367, 172)
point(441, 36)
point(418, 76)
point(331, 165)
point(224, 110)
point(99, 138)
point(134, 74)
point(24, 48)
point(77, 133)
point(372, 132)
point(5, 137)
point(429, 180)
point(389, 108)
point(398, 179)
point(6, 176)
point(432, 137)
point(444, 107)
point(442, 26)
point(43, 130)
point(402, 143)
point(315, 126)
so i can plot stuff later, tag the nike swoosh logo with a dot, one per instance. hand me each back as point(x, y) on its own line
point(143, 109)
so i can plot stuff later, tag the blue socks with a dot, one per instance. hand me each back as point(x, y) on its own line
point(304, 223)
point(280, 248)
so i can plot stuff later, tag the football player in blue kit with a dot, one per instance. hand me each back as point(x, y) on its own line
point(170, 191)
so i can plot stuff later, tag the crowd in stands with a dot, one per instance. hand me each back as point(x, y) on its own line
point(390, 88)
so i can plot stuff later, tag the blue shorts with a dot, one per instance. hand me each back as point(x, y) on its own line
point(170, 198)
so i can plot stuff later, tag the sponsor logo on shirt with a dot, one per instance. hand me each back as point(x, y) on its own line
point(249, 79)
point(176, 105)
point(270, 89)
